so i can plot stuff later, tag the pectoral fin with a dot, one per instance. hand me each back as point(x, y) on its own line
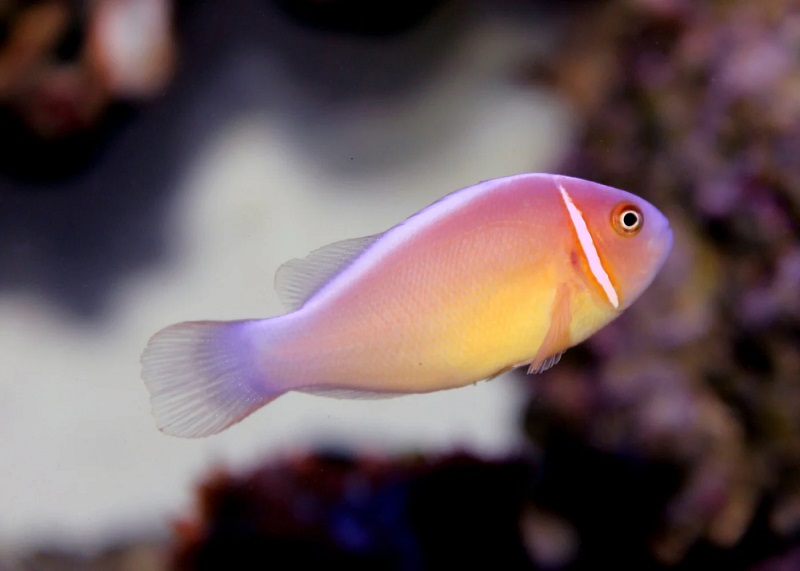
point(557, 339)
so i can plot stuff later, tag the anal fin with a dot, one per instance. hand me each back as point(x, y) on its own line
point(557, 339)
point(352, 394)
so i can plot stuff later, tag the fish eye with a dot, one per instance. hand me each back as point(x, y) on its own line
point(627, 219)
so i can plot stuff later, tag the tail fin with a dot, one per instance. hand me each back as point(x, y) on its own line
point(202, 377)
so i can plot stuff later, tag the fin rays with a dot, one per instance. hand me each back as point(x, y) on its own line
point(201, 378)
point(557, 338)
point(298, 279)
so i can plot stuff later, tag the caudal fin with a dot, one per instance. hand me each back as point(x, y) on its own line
point(202, 377)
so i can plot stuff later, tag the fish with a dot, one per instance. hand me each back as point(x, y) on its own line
point(507, 273)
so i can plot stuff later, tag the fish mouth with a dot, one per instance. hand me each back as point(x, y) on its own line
point(666, 242)
point(660, 250)
point(661, 241)
point(659, 247)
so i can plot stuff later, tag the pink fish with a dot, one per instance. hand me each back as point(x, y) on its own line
point(506, 273)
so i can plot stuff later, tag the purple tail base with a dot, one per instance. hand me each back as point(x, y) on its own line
point(203, 377)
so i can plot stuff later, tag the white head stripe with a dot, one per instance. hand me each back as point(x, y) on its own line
point(587, 245)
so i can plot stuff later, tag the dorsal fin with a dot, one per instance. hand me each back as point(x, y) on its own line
point(300, 278)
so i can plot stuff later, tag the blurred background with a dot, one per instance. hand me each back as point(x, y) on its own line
point(160, 159)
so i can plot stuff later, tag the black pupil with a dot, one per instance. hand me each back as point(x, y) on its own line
point(630, 219)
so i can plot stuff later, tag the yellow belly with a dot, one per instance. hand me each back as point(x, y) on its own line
point(420, 343)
